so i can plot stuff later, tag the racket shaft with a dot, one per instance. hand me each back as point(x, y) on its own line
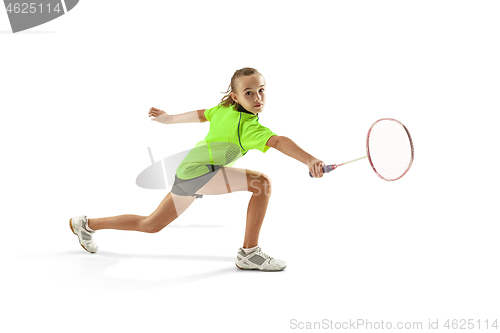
point(353, 160)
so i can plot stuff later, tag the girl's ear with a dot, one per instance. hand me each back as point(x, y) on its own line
point(233, 96)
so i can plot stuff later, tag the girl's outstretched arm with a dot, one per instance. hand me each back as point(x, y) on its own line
point(187, 117)
point(290, 148)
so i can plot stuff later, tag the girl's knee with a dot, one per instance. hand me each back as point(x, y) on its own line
point(152, 225)
point(260, 184)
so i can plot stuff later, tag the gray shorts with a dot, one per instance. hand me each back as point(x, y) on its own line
point(189, 187)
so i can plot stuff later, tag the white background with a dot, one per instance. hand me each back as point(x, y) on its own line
point(74, 99)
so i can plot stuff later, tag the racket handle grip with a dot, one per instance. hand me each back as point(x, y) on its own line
point(326, 169)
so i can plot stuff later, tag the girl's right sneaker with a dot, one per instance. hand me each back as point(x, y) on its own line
point(258, 260)
point(77, 225)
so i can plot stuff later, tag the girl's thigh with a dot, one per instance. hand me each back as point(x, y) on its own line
point(229, 180)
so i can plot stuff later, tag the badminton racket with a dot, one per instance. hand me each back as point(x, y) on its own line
point(389, 149)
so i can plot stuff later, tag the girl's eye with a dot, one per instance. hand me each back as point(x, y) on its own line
point(248, 92)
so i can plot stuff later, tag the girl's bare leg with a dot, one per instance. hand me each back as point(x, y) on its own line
point(257, 208)
point(230, 180)
point(169, 209)
point(121, 222)
point(226, 180)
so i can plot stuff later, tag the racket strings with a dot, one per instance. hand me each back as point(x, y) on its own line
point(390, 149)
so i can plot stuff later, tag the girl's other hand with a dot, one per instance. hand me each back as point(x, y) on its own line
point(160, 116)
point(316, 167)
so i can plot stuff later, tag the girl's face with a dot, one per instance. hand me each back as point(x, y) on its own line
point(250, 93)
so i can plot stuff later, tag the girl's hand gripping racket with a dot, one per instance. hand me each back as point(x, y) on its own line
point(389, 149)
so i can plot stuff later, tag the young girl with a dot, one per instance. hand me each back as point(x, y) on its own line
point(234, 123)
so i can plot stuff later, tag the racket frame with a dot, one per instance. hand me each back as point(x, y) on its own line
point(368, 148)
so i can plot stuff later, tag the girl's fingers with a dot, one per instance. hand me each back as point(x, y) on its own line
point(319, 168)
point(153, 112)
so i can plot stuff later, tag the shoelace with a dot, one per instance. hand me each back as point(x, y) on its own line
point(259, 252)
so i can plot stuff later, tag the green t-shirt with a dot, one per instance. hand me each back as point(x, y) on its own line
point(232, 134)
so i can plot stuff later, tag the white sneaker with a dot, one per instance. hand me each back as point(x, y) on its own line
point(77, 225)
point(258, 260)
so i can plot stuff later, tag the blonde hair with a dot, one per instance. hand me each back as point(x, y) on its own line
point(227, 100)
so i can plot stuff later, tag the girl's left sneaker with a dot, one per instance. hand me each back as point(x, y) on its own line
point(77, 225)
point(258, 260)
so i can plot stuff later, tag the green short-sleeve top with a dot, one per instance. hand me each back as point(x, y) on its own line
point(233, 132)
